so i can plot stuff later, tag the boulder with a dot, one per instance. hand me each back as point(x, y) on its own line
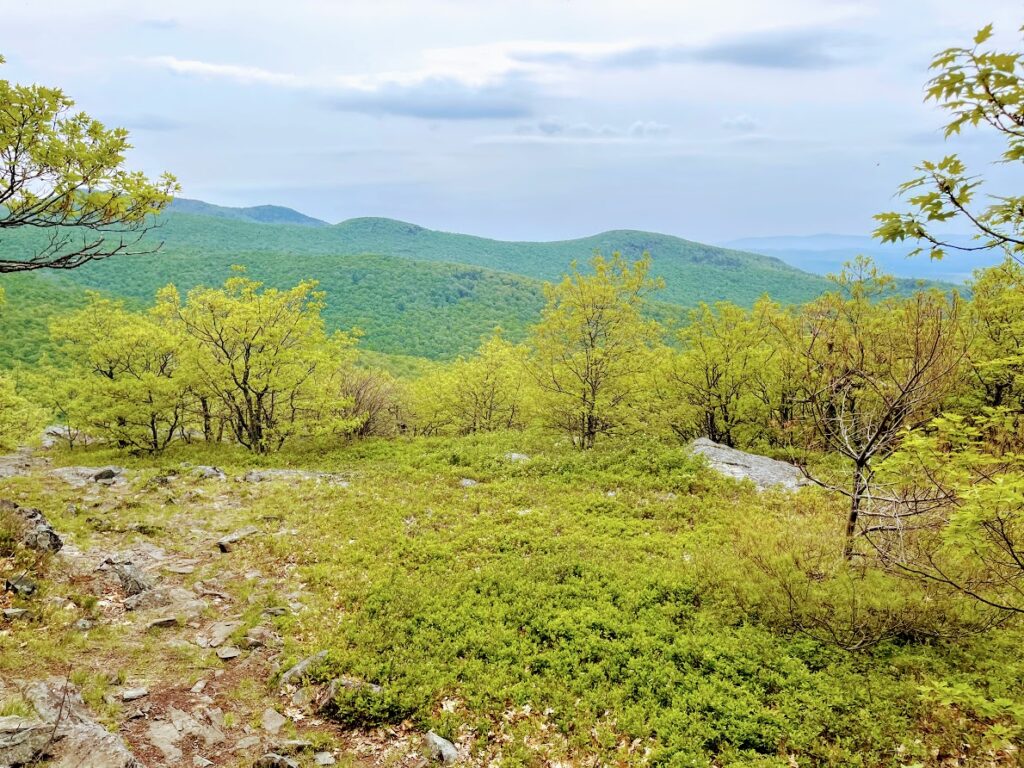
point(762, 471)
point(78, 740)
point(440, 748)
point(24, 740)
point(36, 532)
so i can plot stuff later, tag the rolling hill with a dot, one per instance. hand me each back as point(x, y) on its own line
point(412, 291)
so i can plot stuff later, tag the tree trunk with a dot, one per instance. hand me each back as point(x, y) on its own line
point(860, 487)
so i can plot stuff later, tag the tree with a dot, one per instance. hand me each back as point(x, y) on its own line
point(62, 179)
point(131, 388)
point(995, 358)
point(592, 346)
point(261, 358)
point(722, 374)
point(483, 393)
point(977, 87)
point(874, 366)
point(959, 520)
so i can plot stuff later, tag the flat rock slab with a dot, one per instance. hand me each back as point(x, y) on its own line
point(292, 475)
point(79, 477)
point(763, 472)
point(78, 739)
point(226, 543)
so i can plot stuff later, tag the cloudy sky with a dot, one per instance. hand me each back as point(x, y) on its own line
point(527, 119)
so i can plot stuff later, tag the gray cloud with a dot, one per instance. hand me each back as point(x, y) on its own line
point(795, 49)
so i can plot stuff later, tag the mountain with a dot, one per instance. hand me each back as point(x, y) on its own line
point(826, 253)
point(411, 290)
point(259, 214)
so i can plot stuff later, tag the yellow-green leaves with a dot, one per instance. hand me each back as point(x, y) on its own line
point(983, 34)
point(592, 347)
point(63, 172)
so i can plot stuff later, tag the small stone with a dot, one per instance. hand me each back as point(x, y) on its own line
point(20, 585)
point(182, 569)
point(247, 742)
point(274, 760)
point(261, 637)
point(299, 671)
point(201, 762)
point(83, 625)
point(198, 687)
point(440, 748)
point(272, 721)
point(220, 631)
point(226, 544)
point(162, 621)
point(228, 652)
point(133, 580)
point(323, 758)
point(467, 482)
point(131, 694)
point(15, 613)
point(107, 473)
point(512, 456)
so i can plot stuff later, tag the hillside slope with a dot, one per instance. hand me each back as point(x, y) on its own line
point(693, 272)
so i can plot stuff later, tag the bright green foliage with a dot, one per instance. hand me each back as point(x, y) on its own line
point(995, 327)
point(592, 347)
point(872, 367)
point(724, 373)
point(20, 419)
point(484, 393)
point(62, 175)
point(127, 369)
point(262, 362)
point(978, 87)
point(969, 533)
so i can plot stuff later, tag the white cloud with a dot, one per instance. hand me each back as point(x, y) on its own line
point(742, 123)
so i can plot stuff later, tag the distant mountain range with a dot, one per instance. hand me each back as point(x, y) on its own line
point(412, 291)
point(827, 253)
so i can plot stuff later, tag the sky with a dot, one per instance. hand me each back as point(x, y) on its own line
point(521, 119)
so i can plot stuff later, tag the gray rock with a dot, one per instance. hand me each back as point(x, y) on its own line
point(291, 475)
point(133, 580)
point(162, 621)
point(272, 721)
point(131, 694)
point(228, 652)
point(300, 670)
point(247, 742)
point(79, 477)
point(15, 613)
point(36, 533)
point(83, 625)
point(201, 762)
point(274, 760)
point(467, 482)
point(441, 749)
point(261, 637)
point(209, 473)
point(79, 740)
point(226, 544)
point(24, 740)
point(165, 737)
point(762, 471)
point(218, 632)
point(512, 456)
point(20, 585)
point(323, 758)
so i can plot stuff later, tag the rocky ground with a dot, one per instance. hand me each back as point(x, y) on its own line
point(144, 625)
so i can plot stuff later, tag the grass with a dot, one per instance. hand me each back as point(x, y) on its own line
point(569, 608)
